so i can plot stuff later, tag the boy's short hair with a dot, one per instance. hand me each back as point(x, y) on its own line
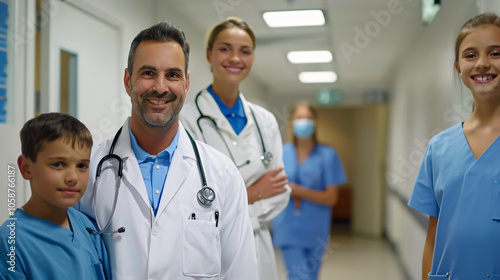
point(50, 127)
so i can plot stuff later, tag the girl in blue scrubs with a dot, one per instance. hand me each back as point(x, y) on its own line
point(458, 184)
point(314, 173)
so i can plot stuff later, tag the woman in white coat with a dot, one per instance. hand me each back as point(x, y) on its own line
point(245, 132)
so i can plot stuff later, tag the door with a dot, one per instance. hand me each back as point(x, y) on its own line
point(98, 98)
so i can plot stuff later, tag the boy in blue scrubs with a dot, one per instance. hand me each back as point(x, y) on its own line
point(47, 238)
point(458, 184)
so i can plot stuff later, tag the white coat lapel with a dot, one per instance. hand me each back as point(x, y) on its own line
point(182, 163)
point(209, 107)
point(131, 172)
point(248, 114)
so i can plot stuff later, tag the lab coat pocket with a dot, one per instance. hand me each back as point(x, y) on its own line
point(201, 253)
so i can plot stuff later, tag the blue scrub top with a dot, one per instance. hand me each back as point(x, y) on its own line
point(464, 194)
point(302, 227)
point(45, 250)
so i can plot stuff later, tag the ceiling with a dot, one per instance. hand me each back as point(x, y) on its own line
point(363, 62)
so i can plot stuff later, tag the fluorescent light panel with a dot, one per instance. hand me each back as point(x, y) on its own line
point(318, 77)
point(294, 18)
point(297, 57)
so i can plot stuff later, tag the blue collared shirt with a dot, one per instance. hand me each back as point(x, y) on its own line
point(154, 169)
point(235, 115)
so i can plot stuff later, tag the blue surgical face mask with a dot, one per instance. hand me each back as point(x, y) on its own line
point(303, 128)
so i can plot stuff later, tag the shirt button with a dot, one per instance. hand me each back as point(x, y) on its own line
point(155, 231)
point(157, 167)
point(496, 181)
point(488, 275)
point(233, 115)
point(235, 143)
point(157, 191)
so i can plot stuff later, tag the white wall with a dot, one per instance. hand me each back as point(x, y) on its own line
point(427, 97)
point(370, 124)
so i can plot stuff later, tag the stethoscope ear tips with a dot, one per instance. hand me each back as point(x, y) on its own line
point(206, 196)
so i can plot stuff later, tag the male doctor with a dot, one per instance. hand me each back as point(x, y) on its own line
point(159, 228)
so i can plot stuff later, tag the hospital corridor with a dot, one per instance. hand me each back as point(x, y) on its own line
point(250, 139)
point(353, 257)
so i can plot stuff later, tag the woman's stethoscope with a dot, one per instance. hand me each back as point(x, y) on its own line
point(266, 156)
point(205, 195)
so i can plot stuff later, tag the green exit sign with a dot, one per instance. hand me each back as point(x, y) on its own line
point(330, 96)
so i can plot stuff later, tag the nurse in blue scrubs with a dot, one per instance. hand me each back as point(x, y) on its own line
point(314, 172)
point(458, 184)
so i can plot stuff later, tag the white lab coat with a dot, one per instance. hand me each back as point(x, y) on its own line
point(170, 245)
point(245, 146)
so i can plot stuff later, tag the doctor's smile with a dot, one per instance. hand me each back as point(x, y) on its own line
point(157, 102)
point(156, 98)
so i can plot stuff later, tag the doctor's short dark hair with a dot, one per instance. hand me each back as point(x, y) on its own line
point(161, 32)
point(51, 127)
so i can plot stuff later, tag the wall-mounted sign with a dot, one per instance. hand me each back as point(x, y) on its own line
point(330, 96)
point(374, 96)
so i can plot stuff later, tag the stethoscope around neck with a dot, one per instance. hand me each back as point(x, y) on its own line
point(266, 156)
point(205, 195)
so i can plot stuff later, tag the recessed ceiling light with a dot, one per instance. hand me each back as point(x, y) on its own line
point(318, 77)
point(294, 18)
point(297, 57)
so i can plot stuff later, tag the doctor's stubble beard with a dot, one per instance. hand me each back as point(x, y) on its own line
point(171, 115)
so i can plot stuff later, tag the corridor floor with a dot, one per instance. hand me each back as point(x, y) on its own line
point(349, 257)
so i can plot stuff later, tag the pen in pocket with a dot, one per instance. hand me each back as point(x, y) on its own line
point(216, 218)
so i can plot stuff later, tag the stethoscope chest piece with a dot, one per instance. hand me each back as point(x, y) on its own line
point(206, 196)
point(266, 158)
